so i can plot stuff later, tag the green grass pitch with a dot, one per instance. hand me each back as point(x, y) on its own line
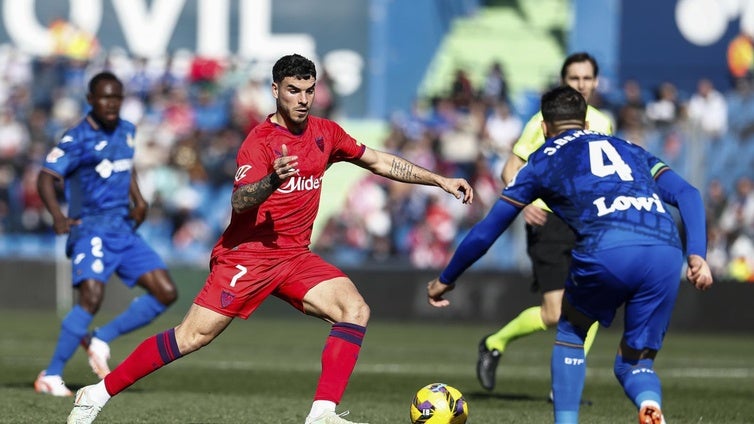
point(264, 371)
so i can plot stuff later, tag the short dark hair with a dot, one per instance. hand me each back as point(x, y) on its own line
point(578, 58)
point(102, 76)
point(563, 104)
point(293, 65)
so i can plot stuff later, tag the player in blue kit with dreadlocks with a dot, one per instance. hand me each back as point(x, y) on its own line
point(628, 251)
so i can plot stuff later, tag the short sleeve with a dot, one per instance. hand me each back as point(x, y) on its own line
point(65, 156)
point(253, 162)
point(345, 147)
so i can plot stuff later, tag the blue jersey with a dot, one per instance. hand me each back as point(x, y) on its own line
point(96, 166)
point(603, 187)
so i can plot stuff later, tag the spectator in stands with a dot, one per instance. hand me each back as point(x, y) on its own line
point(741, 260)
point(715, 201)
point(325, 99)
point(708, 110)
point(461, 90)
point(495, 87)
point(211, 109)
point(250, 103)
point(431, 239)
point(461, 145)
point(664, 111)
point(178, 116)
point(14, 136)
point(631, 112)
point(501, 130)
point(717, 251)
point(741, 109)
point(738, 215)
point(140, 82)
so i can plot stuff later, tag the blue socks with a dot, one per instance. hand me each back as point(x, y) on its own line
point(638, 379)
point(142, 310)
point(73, 328)
point(568, 370)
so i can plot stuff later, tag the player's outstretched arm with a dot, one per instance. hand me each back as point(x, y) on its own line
point(698, 272)
point(399, 169)
point(473, 246)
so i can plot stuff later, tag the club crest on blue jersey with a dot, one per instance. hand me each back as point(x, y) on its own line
point(55, 154)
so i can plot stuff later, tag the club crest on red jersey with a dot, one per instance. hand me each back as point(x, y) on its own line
point(226, 299)
point(320, 143)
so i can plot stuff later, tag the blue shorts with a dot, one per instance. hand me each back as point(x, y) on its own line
point(97, 255)
point(644, 278)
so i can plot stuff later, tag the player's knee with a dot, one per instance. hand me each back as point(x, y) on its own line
point(357, 312)
point(167, 295)
point(164, 291)
point(91, 294)
point(549, 321)
point(569, 333)
point(550, 316)
point(192, 342)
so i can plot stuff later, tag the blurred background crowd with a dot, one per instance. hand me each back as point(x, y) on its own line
point(193, 113)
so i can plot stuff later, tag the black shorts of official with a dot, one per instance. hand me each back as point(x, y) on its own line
point(549, 248)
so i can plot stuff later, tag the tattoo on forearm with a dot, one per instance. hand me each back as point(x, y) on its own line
point(252, 195)
point(403, 170)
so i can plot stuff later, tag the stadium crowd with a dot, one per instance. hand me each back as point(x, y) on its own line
point(193, 113)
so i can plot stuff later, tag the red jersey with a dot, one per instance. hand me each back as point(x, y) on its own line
point(285, 219)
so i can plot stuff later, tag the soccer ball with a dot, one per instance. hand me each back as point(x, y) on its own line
point(438, 403)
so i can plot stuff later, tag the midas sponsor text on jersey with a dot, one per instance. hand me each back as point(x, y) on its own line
point(622, 203)
point(301, 184)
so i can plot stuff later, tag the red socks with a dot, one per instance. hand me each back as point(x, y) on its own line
point(151, 355)
point(338, 360)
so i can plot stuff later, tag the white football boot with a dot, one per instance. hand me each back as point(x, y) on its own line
point(330, 417)
point(51, 385)
point(84, 410)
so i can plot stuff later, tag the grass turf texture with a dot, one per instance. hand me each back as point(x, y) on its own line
point(265, 370)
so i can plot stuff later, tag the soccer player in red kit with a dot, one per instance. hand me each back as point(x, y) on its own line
point(265, 248)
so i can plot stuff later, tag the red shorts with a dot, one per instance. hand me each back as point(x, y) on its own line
point(239, 282)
